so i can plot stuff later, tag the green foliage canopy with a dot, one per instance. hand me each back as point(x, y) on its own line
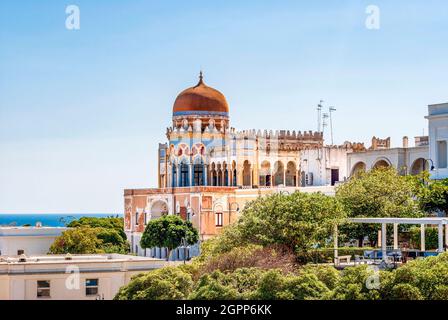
point(168, 232)
point(168, 283)
point(89, 235)
point(299, 221)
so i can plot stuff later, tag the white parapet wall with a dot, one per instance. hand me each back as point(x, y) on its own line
point(72, 277)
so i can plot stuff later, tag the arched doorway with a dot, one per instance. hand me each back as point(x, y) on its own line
point(291, 174)
point(358, 168)
point(265, 174)
point(234, 174)
point(159, 208)
point(219, 175)
point(279, 173)
point(418, 166)
point(382, 163)
point(225, 174)
point(213, 176)
point(247, 176)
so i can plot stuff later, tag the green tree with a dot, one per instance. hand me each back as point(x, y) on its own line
point(431, 237)
point(299, 221)
point(115, 223)
point(92, 235)
point(81, 240)
point(168, 283)
point(432, 194)
point(168, 232)
point(380, 192)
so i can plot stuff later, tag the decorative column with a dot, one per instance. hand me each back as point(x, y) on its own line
point(190, 175)
point(395, 236)
point(179, 175)
point(173, 177)
point(251, 175)
point(440, 231)
point(335, 239)
point(383, 241)
point(297, 173)
point(284, 178)
point(239, 176)
point(204, 174)
point(446, 235)
point(422, 237)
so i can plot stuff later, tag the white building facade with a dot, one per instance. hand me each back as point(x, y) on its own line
point(15, 241)
point(438, 137)
point(76, 277)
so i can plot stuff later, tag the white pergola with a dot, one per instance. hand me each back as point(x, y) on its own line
point(440, 222)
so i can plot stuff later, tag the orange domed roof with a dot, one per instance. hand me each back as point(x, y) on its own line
point(200, 100)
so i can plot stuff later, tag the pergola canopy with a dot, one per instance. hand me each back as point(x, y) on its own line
point(426, 220)
point(439, 221)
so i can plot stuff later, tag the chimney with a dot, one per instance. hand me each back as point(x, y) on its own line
point(405, 142)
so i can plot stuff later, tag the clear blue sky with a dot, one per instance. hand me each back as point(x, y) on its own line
point(82, 112)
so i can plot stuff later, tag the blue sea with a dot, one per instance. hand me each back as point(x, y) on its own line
point(47, 220)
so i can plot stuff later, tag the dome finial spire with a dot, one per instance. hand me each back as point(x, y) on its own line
point(201, 77)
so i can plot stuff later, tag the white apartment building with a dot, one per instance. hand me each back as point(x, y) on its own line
point(438, 139)
point(70, 277)
point(37, 240)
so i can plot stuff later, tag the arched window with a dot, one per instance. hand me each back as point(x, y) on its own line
point(183, 175)
point(198, 174)
point(265, 174)
point(418, 166)
point(226, 177)
point(219, 175)
point(174, 176)
point(234, 177)
point(291, 174)
point(279, 171)
point(218, 219)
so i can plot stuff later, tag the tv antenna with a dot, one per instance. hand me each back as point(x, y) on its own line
point(319, 115)
point(330, 111)
point(325, 116)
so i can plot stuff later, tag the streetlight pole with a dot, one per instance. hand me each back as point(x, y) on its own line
point(230, 209)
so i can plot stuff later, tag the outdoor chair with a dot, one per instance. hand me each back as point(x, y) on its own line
point(430, 254)
point(360, 259)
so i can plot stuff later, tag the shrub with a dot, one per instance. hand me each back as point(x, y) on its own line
point(216, 285)
point(250, 256)
point(353, 282)
point(405, 291)
point(168, 283)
